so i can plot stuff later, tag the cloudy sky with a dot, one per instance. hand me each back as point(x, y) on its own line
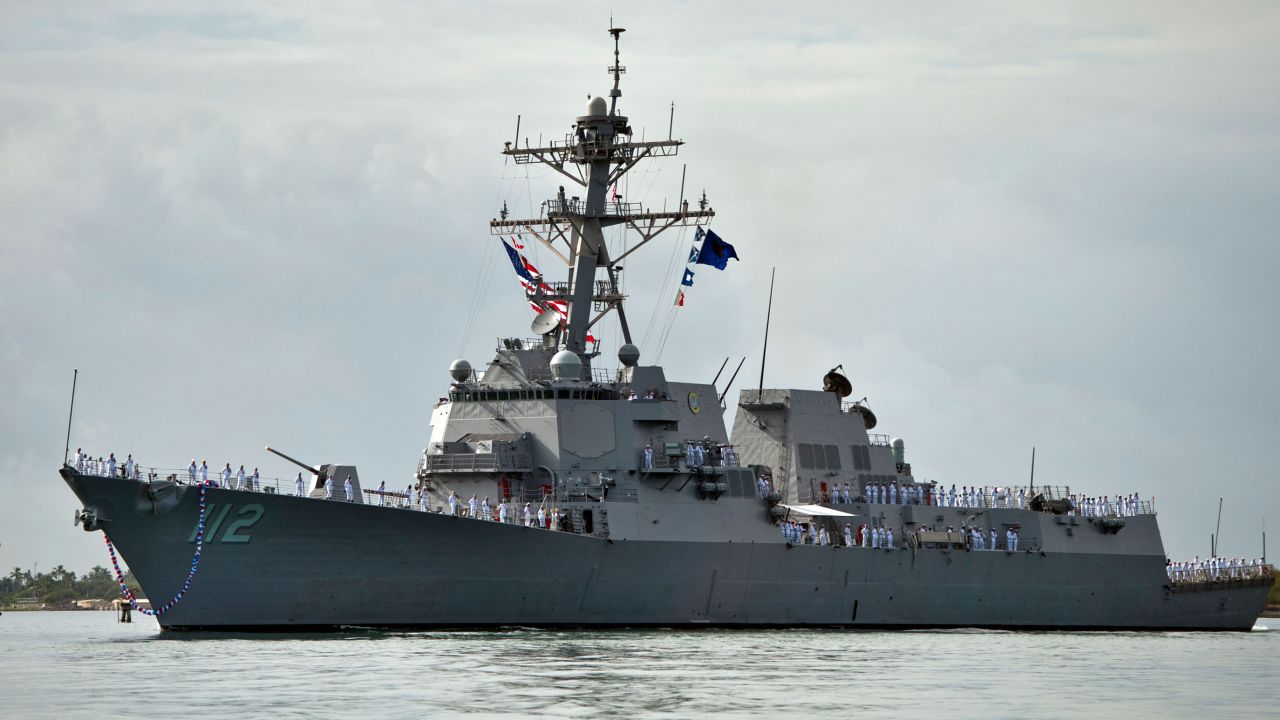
point(1015, 224)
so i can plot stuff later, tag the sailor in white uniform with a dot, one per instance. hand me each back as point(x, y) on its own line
point(848, 535)
point(297, 484)
point(875, 538)
point(79, 463)
point(528, 515)
point(255, 481)
point(502, 511)
point(128, 466)
point(226, 475)
point(1015, 541)
point(240, 478)
point(328, 491)
point(486, 512)
point(453, 502)
point(350, 490)
point(473, 507)
point(382, 493)
point(993, 538)
point(689, 458)
point(893, 494)
point(888, 538)
point(191, 471)
point(648, 456)
point(422, 498)
point(542, 517)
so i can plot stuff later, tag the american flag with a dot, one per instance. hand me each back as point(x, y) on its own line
point(531, 280)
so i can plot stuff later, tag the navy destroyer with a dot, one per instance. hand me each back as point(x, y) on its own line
point(618, 498)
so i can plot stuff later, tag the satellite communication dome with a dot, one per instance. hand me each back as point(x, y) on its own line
point(629, 355)
point(566, 365)
point(460, 370)
point(597, 106)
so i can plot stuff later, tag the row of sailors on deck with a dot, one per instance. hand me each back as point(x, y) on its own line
point(915, 494)
point(798, 533)
point(504, 513)
point(1218, 568)
point(1123, 505)
point(699, 453)
point(108, 467)
point(881, 537)
point(252, 483)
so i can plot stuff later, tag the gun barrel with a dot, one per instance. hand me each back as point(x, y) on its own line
point(300, 464)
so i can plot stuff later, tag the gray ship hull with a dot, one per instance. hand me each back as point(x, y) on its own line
point(274, 562)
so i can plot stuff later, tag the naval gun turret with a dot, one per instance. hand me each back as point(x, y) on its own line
point(322, 475)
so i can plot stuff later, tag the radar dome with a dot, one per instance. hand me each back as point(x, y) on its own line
point(597, 106)
point(629, 355)
point(460, 370)
point(565, 365)
point(899, 451)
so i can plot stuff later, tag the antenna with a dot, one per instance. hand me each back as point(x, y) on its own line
point(835, 382)
point(764, 352)
point(732, 377)
point(546, 322)
point(1217, 539)
point(717, 377)
point(683, 169)
point(66, 452)
point(1033, 469)
point(617, 69)
point(671, 123)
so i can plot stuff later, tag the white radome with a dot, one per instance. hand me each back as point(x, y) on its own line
point(460, 370)
point(597, 106)
point(566, 365)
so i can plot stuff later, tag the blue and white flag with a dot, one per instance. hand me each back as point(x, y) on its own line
point(687, 280)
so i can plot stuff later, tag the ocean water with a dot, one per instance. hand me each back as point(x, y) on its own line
point(86, 665)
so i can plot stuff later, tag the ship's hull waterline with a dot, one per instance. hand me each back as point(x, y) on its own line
point(274, 562)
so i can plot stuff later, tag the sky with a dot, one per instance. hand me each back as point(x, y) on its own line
point(1016, 225)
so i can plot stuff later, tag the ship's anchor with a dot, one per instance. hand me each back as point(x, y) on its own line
point(87, 519)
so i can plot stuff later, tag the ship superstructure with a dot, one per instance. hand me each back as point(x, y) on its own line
point(555, 493)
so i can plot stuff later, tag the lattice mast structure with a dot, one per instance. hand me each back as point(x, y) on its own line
point(596, 155)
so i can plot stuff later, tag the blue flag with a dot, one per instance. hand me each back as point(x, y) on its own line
point(715, 252)
point(688, 278)
point(516, 262)
point(693, 253)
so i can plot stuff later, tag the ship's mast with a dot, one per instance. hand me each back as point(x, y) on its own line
point(598, 154)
